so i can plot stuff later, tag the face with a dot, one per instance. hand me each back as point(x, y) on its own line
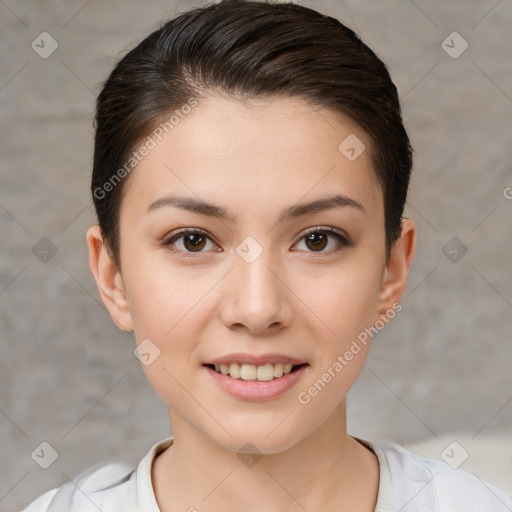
point(259, 276)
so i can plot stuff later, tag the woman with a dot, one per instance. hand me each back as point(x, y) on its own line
point(250, 173)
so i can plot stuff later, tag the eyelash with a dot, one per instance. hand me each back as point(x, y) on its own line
point(342, 240)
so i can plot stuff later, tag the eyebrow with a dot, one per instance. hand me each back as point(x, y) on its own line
point(210, 210)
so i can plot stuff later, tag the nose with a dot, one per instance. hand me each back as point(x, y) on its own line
point(257, 297)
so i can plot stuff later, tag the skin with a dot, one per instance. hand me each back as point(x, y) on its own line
point(296, 299)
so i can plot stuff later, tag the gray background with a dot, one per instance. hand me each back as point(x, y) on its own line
point(68, 375)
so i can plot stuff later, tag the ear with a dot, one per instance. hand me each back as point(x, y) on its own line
point(109, 279)
point(397, 268)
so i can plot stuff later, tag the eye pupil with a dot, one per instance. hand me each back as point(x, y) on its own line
point(195, 240)
point(320, 244)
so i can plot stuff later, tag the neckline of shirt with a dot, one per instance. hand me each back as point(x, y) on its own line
point(141, 495)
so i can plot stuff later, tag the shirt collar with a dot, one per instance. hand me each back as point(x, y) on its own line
point(141, 494)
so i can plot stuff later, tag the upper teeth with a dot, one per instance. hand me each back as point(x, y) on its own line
point(252, 372)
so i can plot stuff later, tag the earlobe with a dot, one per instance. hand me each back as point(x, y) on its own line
point(109, 280)
point(397, 268)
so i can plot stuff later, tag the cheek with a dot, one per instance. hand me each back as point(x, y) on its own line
point(163, 296)
point(344, 301)
point(346, 307)
point(172, 307)
point(168, 310)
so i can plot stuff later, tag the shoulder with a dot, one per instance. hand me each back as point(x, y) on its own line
point(101, 488)
point(41, 503)
point(107, 488)
point(423, 484)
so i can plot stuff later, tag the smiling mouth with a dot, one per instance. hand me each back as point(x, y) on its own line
point(264, 373)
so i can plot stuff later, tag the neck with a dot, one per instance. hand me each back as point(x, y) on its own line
point(326, 468)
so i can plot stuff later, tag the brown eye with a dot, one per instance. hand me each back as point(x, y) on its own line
point(192, 241)
point(318, 239)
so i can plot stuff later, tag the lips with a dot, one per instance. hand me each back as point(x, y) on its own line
point(247, 388)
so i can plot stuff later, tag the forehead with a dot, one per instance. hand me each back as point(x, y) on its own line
point(256, 153)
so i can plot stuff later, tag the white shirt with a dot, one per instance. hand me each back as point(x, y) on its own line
point(407, 483)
